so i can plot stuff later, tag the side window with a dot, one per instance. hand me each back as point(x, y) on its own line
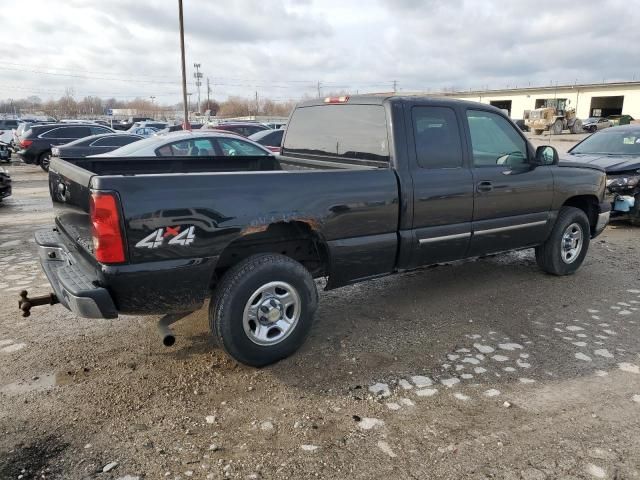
point(200, 147)
point(437, 137)
point(53, 133)
point(234, 148)
point(74, 132)
point(494, 140)
point(98, 130)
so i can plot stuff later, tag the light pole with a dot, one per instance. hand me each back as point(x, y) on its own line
point(189, 101)
point(187, 124)
point(197, 75)
point(153, 110)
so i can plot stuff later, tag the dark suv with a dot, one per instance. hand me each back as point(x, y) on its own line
point(36, 143)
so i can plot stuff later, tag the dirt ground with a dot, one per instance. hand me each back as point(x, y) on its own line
point(479, 369)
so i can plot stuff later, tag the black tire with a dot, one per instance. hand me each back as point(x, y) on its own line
point(44, 160)
point(593, 129)
point(549, 254)
point(556, 128)
point(232, 294)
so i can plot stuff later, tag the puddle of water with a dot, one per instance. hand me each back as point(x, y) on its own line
point(44, 382)
point(41, 383)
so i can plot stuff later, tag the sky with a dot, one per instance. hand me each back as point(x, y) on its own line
point(286, 49)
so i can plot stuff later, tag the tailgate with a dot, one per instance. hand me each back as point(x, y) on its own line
point(70, 194)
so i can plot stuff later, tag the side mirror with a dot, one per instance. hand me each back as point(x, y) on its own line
point(546, 155)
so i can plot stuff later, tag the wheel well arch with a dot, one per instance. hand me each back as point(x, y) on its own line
point(588, 204)
point(295, 239)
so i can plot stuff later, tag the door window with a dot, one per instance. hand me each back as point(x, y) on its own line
point(494, 140)
point(98, 130)
point(437, 137)
point(232, 147)
point(200, 147)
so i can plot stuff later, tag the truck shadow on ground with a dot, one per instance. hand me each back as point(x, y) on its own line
point(408, 324)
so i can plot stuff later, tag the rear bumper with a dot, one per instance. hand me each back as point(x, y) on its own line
point(603, 218)
point(27, 157)
point(5, 190)
point(76, 288)
point(150, 288)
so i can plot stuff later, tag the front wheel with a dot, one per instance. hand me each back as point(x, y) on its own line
point(44, 160)
point(263, 308)
point(566, 247)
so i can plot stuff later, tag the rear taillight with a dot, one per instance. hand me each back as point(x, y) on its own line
point(108, 244)
point(26, 143)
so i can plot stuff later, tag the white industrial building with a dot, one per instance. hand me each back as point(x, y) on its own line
point(589, 100)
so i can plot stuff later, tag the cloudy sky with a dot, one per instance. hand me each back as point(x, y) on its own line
point(283, 48)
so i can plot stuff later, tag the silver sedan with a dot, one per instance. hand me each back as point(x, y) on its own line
point(191, 144)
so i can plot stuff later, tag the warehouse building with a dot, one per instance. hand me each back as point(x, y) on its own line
point(589, 100)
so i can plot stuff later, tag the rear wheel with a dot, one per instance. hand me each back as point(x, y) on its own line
point(566, 247)
point(556, 128)
point(538, 131)
point(263, 308)
point(44, 160)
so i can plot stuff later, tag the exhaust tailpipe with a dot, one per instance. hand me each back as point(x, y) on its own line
point(164, 329)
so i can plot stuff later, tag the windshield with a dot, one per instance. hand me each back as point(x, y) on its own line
point(591, 120)
point(611, 141)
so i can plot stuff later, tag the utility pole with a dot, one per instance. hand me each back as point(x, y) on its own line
point(189, 101)
point(208, 94)
point(319, 94)
point(187, 125)
point(197, 75)
point(395, 85)
point(257, 104)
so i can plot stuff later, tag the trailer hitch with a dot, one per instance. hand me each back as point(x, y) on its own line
point(25, 303)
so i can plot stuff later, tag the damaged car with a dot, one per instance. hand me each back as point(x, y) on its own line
point(617, 150)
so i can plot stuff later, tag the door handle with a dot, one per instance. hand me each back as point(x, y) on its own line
point(484, 186)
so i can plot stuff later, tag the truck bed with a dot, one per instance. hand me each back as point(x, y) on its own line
point(353, 209)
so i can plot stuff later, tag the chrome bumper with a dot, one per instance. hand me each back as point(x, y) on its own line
point(603, 220)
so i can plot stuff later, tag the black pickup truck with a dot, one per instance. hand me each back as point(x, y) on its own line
point(365, 186)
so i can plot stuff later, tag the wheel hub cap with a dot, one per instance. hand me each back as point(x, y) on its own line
point(571, 243)
point(271, 313)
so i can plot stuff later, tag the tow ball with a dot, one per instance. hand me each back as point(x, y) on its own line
point(25, 303)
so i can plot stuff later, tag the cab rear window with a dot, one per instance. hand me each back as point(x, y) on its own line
point(339, 133)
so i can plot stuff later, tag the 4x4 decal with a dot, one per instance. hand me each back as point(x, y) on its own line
point(174, 235)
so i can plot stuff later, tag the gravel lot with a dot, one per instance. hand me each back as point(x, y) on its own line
point(478, 369)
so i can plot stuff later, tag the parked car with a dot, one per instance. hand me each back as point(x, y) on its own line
point(593, 124)
point(244, 129)
point(191, 144)
point(617, 120)
point(177, 128)
point(7, 125)
point(22, 127)
point(94, 144)
point(147, 124)
point(5, 152)
point(617, 151)
point(143, 131)
point(272, 139)
point(5, 184)
point(36, 143)
point(383, 185)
